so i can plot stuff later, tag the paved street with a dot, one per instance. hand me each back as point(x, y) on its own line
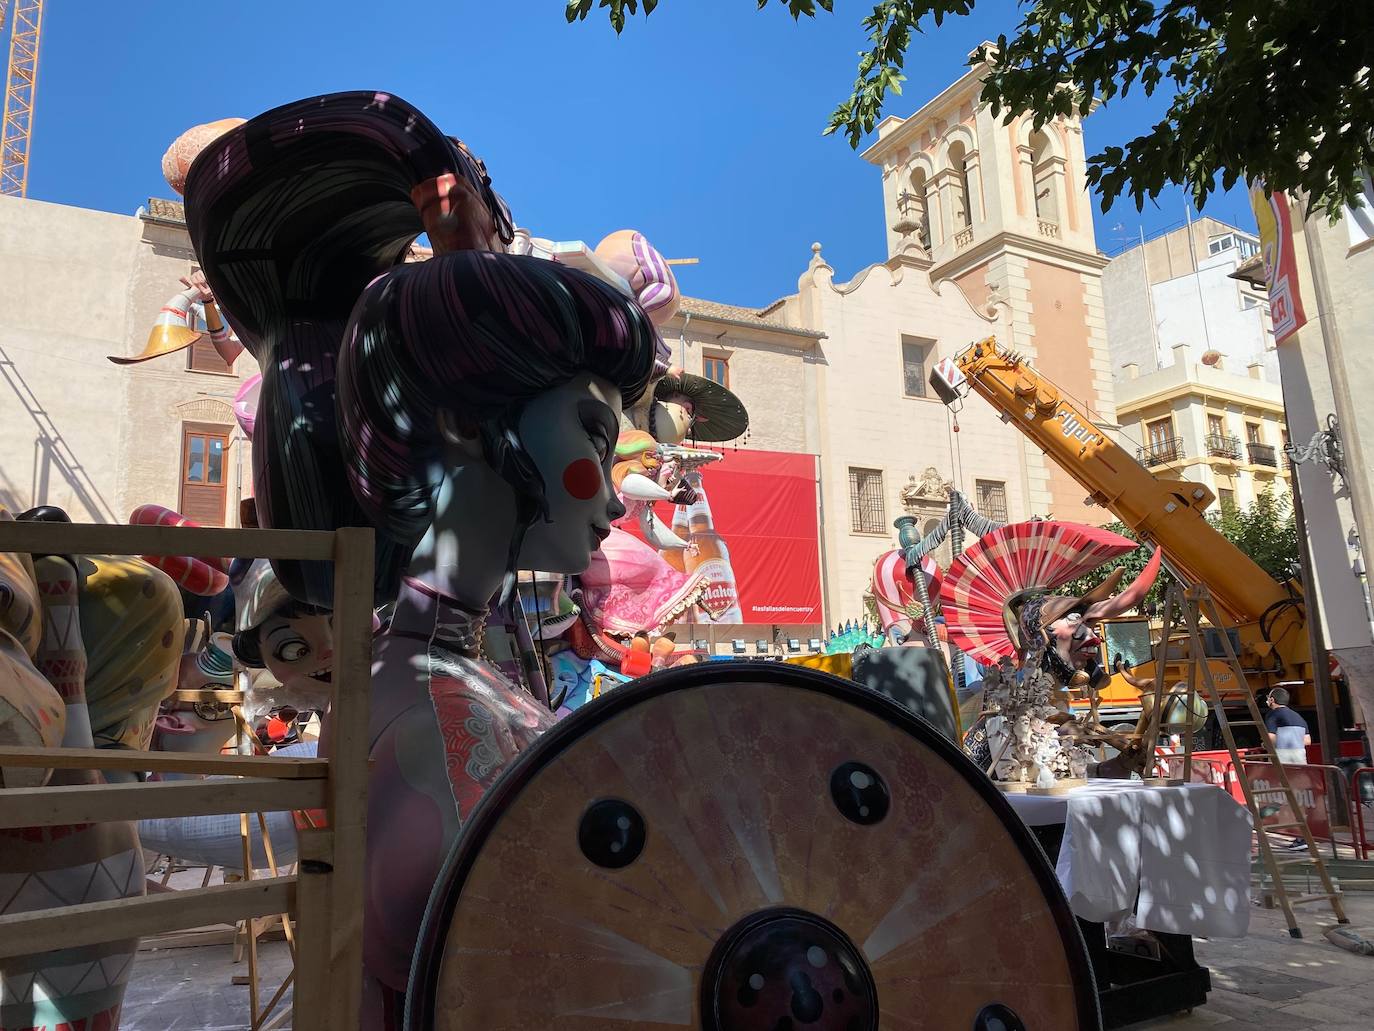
point(1266, 981)
point(1272, 982)
point(191, 989)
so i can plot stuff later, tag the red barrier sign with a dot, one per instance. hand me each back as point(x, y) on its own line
point(1309, 787)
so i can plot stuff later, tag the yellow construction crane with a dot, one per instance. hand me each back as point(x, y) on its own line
point(1268, 617)
point(21, 85)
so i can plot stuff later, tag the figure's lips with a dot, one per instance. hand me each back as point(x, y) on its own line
point(1087, 649)
point(324, 676)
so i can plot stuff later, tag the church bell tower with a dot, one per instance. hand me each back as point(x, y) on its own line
point(1003, 210)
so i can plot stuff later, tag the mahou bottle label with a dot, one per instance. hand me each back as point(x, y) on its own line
point(721, 598)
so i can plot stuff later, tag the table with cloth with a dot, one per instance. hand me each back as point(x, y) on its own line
point(1174, 859)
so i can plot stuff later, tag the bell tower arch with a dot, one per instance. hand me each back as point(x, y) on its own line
point(1010, 222)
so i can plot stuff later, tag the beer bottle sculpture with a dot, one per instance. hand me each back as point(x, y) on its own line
point(677, 557)
point(709, 553)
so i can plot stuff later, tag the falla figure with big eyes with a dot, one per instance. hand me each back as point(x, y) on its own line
point(466, 407)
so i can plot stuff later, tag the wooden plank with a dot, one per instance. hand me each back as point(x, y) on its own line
point(99, 803)
point(284, 768)
point(349, 743)
point(43, 930)
point(311, 1002)
point(118, 539)
point(192, 939)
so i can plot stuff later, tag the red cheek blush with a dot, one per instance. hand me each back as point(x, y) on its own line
point(582, 479)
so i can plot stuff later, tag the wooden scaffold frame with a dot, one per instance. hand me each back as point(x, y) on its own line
point(325, 897)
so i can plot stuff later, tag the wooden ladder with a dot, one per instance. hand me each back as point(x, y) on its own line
point(1191, 604)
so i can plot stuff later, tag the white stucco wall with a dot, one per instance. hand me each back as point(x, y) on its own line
point(64, 279)
point(868, 422)
point(76, 430)
point(1204, 310)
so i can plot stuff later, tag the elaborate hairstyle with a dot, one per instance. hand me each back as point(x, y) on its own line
point(479, 334)
point(301, 219)
point(247, 644)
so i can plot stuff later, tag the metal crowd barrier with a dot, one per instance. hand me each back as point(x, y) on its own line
point(1364, 845)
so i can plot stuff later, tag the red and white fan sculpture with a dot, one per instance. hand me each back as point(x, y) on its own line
point(1014, 560)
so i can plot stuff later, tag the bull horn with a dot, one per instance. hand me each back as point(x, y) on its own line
point(1131, 596)
point(1139, 683)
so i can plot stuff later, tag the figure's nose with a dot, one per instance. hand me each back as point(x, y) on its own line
point(614, 508)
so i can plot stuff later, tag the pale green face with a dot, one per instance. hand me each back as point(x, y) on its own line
point(570, 433)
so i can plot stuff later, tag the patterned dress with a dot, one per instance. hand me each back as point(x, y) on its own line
point(444, 726)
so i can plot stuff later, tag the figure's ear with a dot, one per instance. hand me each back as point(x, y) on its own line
point(460, 432)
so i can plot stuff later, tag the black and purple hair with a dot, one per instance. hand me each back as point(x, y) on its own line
point(301, 219)
point(478, 334)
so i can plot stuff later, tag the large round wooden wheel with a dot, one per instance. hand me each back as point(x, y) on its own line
point(748, 846)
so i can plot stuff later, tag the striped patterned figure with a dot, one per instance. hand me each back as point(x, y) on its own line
point(204, 576)
point(650, 276)
point(46, 867)
point(893, 592)
point(31, 711)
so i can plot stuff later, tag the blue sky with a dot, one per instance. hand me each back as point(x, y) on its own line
point(699, 126)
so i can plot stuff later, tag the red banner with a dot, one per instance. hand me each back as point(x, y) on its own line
point(763, 507)
point(1276, 229)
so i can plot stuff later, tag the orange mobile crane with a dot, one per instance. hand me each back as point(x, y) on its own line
point(1268, 630)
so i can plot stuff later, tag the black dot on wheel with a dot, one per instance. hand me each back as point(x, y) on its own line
point(996, 1017)
point(837, 995)
point(611, 833)
point(859, 793)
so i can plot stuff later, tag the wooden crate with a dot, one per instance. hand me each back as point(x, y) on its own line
point(326, 896)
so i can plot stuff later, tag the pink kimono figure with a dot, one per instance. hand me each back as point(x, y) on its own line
point(466, 407)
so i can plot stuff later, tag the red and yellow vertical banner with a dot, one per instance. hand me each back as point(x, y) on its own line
point(1276, 229)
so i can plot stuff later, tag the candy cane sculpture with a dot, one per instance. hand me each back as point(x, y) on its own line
point(202, 576)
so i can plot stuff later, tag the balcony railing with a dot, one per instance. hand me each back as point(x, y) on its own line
point(1222, 445)
point(1157, 452)
point(963, 237)
point(1263, 454)
point(1048, 228)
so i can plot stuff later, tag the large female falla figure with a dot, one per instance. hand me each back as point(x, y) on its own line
point(477, 409)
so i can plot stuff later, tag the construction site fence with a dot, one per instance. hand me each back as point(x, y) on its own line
point(1332, 803)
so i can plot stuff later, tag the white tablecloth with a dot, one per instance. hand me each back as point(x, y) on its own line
point(1179, 856)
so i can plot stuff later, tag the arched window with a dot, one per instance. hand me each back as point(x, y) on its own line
point(1042, 177)
point(920, 211)
point(963, 201)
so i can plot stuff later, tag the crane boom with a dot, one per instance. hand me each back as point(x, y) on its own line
point(21, 85)
point(1168, 513)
